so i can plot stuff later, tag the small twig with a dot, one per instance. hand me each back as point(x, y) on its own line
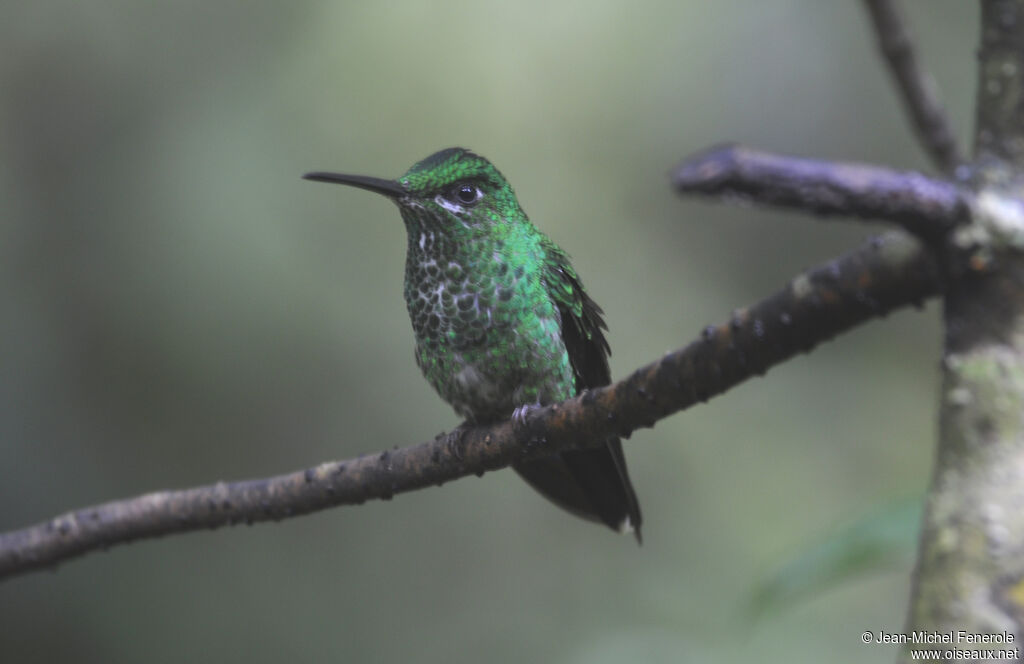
point(917, 87)
point(891, 271)
point(925, 207)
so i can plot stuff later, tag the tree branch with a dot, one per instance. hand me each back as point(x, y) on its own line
point(917, 87)
point(970, 565)
point(999, 134)
point(924, 207)
point(889, 272)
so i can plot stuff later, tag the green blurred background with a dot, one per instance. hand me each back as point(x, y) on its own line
point(178, 307)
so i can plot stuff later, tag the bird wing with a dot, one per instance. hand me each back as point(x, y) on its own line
point(591, 482)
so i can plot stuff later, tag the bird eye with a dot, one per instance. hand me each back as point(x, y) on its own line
point(467, 194)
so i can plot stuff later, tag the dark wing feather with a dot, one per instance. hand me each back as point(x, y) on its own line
point(592, 483)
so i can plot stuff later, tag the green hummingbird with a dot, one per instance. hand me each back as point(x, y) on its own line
point(501, 319)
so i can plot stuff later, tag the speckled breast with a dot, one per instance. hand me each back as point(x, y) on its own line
point(487, 334)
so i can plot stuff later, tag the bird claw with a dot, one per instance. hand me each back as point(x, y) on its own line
point(520, 413)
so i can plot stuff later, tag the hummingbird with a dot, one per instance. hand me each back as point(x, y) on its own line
point(501, 320)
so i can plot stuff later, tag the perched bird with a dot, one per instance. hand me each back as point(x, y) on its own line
point(501, 320)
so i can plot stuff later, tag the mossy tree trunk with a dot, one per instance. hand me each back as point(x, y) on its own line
point(970, 567)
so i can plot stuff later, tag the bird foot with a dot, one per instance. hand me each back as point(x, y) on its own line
point(520, 413)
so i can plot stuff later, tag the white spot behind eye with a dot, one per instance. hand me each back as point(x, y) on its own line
point(448, 205)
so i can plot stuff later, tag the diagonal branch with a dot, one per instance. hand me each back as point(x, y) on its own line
point(923, 206)
point(889, 272)
point(917, 87)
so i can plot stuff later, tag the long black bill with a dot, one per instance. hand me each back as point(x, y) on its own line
point(388, 188)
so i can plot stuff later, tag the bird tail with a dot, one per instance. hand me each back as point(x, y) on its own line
point(592, 484)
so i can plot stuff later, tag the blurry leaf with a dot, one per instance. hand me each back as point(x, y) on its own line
point(874, 541)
